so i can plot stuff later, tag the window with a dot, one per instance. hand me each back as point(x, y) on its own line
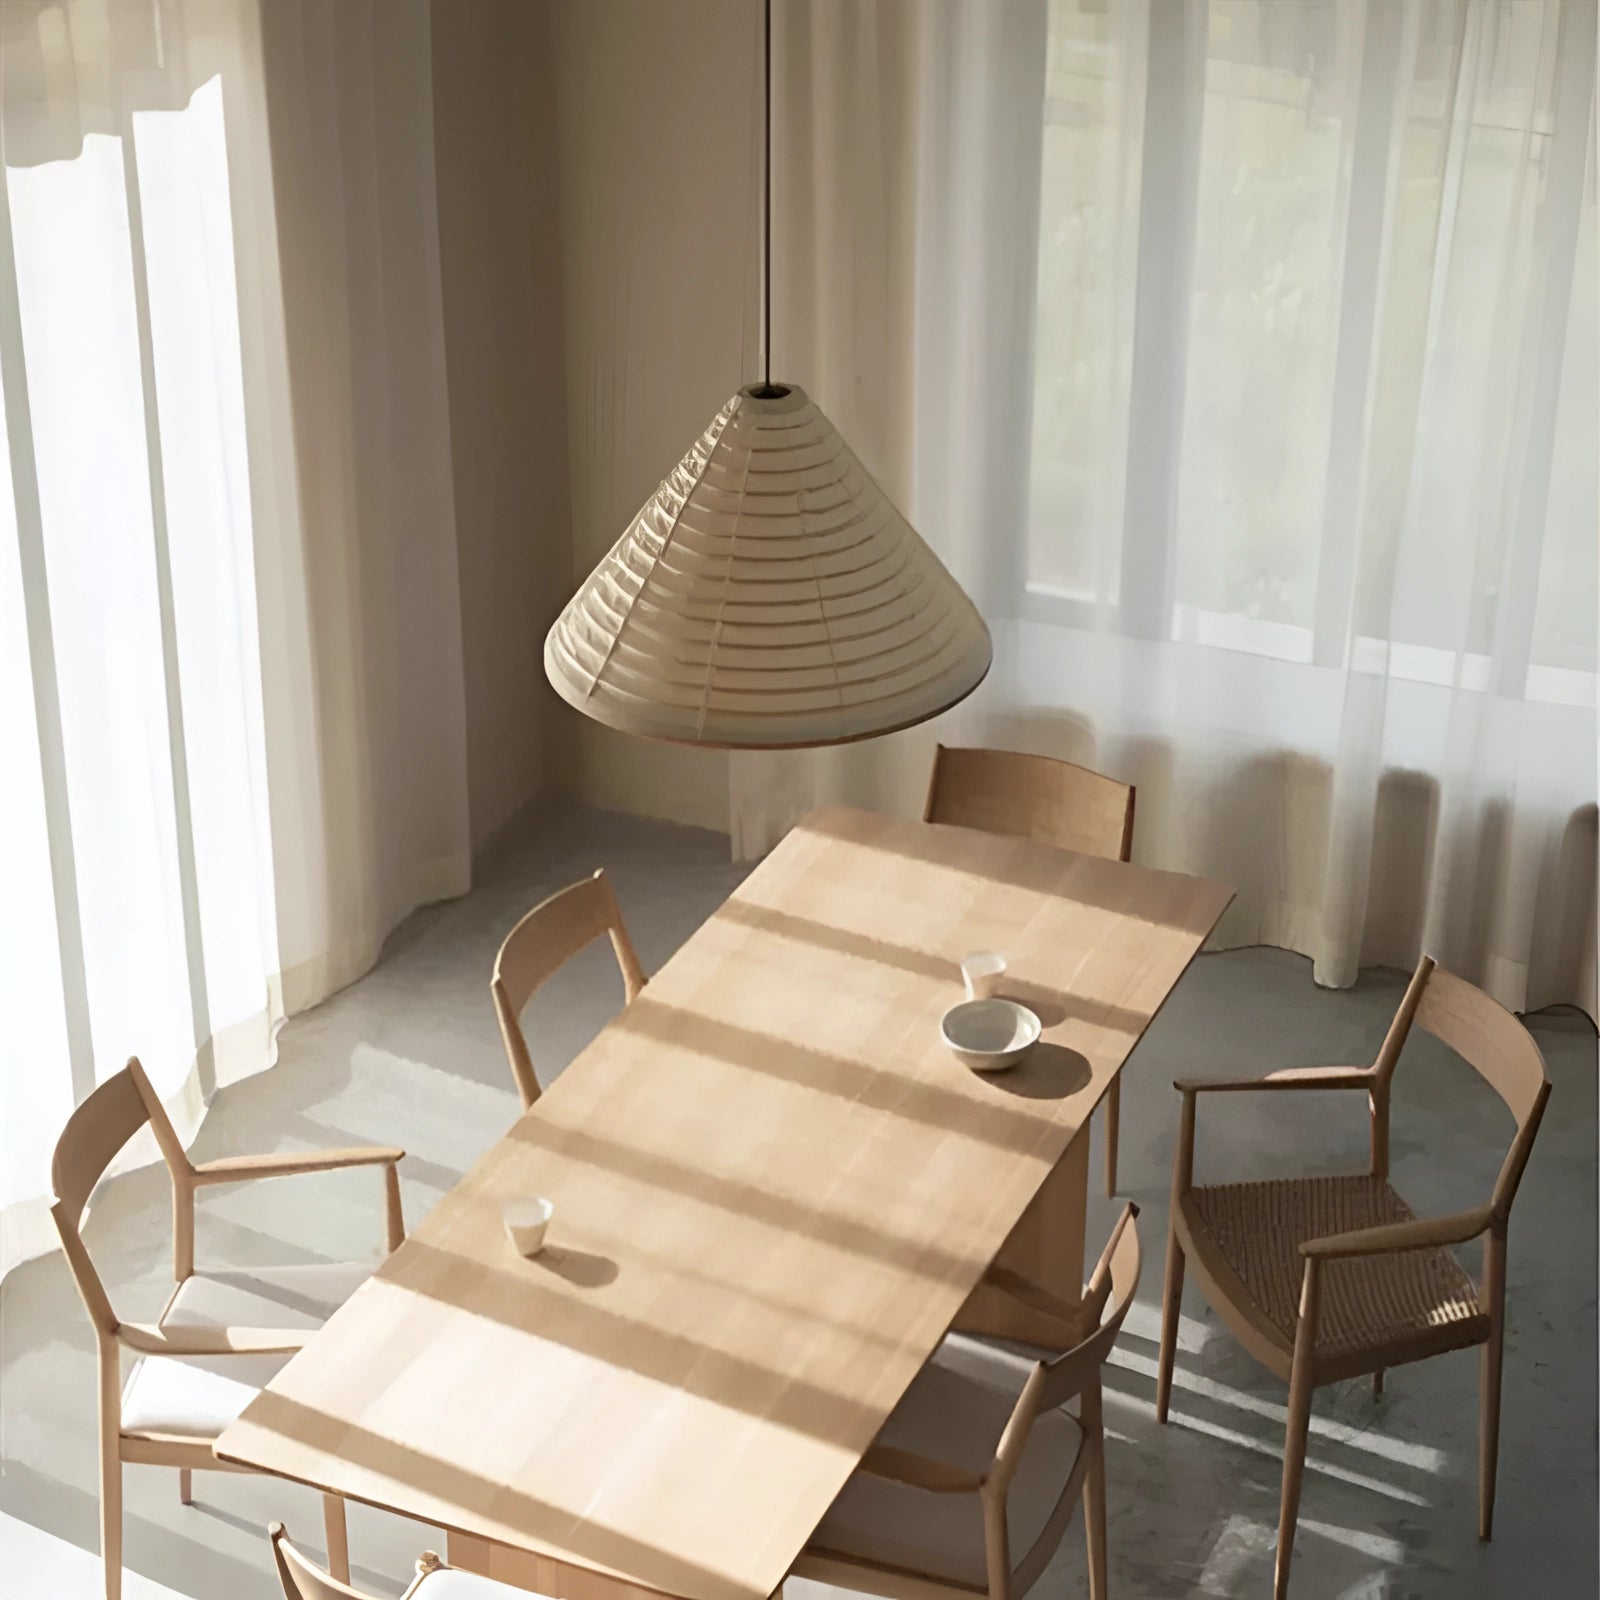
point(138, 915)
point(1298, 387)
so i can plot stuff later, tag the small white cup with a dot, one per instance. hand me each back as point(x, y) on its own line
point(981, 972)
point(526, 1222)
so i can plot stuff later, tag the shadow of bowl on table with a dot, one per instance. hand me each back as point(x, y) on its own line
point(1048, 1072)
point(584, 1269)
point(1049, 1012)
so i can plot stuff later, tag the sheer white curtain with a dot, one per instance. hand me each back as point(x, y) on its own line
point(231, 722)
point(1241, 359)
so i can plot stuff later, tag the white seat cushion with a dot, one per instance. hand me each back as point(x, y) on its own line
point(450, 1584)
point(266, 1297)
point(955, 1412)
point(194, 1397)
point(197, 1397)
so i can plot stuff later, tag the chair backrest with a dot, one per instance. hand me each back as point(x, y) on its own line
point(105, 1121)
point(303, 1579)
point(547, 937)
point(1075, 1372)
point(1058, 1379)
point(1032, 797)
point(1489, 1039)
point(1107, 1297)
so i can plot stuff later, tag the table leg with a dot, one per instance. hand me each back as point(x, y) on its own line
point(1044, 1250)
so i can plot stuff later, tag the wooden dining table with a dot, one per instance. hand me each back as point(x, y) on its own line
point(775, 1190)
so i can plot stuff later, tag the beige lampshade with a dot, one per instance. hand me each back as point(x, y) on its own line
point(768, 595)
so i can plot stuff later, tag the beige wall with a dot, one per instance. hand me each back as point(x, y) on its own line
point(590, 338)
point(655, 109)
point(495, 144)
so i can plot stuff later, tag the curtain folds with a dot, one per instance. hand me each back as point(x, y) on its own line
point(1240, 359)
point(231, 700)
point(365, 709)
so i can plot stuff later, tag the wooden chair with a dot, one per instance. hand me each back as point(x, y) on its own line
point(305, 1580)
point(542, 942)
point(979, 1461)
point(1050, 802)
point(1330, 1278)
point(222, 1335)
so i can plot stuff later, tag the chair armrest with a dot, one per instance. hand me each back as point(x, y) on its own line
point(148, 1339)
point(285, 1164)
point(1389, 1238)
point(921, 1472)
point(239, 1169)
point(1289, 1078)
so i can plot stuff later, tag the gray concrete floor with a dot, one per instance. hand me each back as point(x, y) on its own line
point(411, 1056)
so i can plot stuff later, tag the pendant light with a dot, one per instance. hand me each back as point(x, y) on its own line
point(768, 595)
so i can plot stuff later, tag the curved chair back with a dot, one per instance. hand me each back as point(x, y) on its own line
point(1074, 1373)
point(95, 1132)
point(542, 942)
point(303, 1579)
point(1491, 1040)
point(1108, 1296)
point(1031, 797)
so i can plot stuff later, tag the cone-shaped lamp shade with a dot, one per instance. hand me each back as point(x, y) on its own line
point(767, 596)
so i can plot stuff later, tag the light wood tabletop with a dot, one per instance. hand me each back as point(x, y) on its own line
point(774, 1190)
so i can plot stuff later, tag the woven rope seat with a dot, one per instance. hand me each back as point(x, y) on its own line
point(1412, 1302)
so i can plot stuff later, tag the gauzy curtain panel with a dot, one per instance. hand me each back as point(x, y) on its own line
point(231, 720)
point(1240, 358)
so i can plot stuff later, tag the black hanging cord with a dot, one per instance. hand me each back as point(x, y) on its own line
point(766, 198)
point(767, 389)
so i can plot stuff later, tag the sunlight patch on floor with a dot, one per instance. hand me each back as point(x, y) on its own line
point(1273, 1451)
point(36, 1563)
point(1238, 1543)
point(1389, 1551)
point(1423, 1457)
point(1144, 1322)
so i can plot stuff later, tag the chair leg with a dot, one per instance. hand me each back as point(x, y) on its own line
point(1294, 1465)
point(338, 1537)
point(1494, 1292)
point(1094, 1491)
point(1171, 1302)
point(1377, 1384)
point(111, 1520)
point(111, 1468)
point(1113, 1132)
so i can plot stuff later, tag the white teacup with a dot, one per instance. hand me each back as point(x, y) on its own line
point(526, 1222)
point(981, 972)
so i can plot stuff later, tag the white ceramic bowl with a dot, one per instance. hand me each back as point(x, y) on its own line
point(990, 1034)
point(526, 1222)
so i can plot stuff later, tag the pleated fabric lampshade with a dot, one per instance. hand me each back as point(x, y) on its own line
point(767, 596)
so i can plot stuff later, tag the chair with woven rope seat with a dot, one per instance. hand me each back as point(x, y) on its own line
point(223, 1335)
point(980, 1459)
point(1328, 1278)
point(303, 1579)
point(1050, 802)
point(544, 941)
